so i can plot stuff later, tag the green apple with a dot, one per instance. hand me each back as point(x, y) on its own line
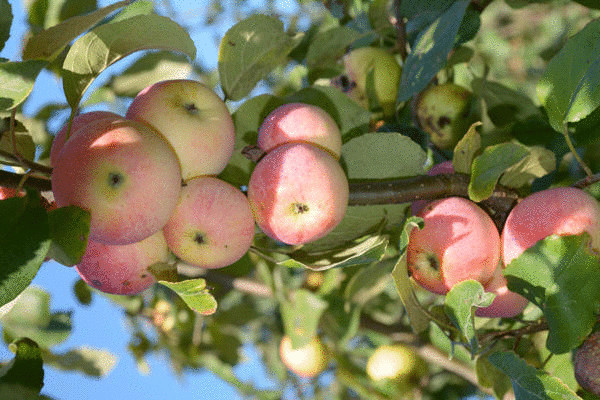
point(444, 112)
point(386, 77)
point(194, 120)
point(394, 362)
point(307, 361)
point(124, 173)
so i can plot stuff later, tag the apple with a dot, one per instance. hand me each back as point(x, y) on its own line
point(444, 167)
point(394, 362)
point(557, 211)
point(506, 304)
point(458, 242)
point(444, 112)
point(307, 361)
point(212, 226)
point(386, 77)
point(194, 120)
point(586, 361)
point(298, 193)
point(8, 192)
point(79, 121)
point(122, 269)
point(124, 173)
point(299, 122)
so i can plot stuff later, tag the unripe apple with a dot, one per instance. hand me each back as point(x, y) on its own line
point(386, 77)
point(438, 169)
point(586, 361)
point(458, 242)
point(124, 173)
point(298, 193)
point(394, 362)
point(299, 122)
point(122, 269)
point(557, 211)
point(307, 361)
point(506, 304)
point(79, 121)
point(444, 111)
point(212, 226)
point(194, 120)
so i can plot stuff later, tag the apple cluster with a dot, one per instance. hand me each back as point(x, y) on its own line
point(298, 191)
point(459, 241)
point(148, 181)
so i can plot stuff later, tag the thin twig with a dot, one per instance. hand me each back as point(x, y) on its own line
point(580, 161)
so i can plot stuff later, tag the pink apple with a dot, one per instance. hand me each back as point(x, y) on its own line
point(438, 169)
point(506, 304)
point(299, 122)
point(307, 361)
point(79, 121)
point(122, 269)
point(194, 120)
point(458, 242)
point(298, 193)
point(124, 173)
point(557, 211)
point(212, 226)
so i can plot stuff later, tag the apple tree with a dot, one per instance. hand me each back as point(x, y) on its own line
point(413, 278)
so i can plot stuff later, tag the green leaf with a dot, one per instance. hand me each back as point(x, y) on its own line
point(430, 51)
point(195, 294)
point(26, 370)
point(16, 81)
point(489, 165)
point(137, 7)
point(568, 89)
point(250, 50)
point(328, 46)
point(69, 229)
point(25, 147)
point(382, 155)
point(301, 316)
point(107, 44)
point(82, 292)
point(564, 285)
point(6, 18)
point(31, 317)
point(24, 240)
point(528, 382)
point(369, 282)
point(48, 44)
point(539, 162)
point(460, 304)
point(466, 149)
point(89, 361)
point(491, 377)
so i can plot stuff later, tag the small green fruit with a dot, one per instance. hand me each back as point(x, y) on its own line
point(444, 111)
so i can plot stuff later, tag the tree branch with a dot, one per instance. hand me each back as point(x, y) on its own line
point(10, 179)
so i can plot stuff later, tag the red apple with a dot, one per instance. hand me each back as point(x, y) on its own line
point(506, 304)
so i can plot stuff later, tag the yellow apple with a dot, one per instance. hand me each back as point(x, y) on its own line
point(307, 361)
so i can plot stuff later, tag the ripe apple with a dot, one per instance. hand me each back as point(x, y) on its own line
point(438, 169)
point(386, 77)
point(444, 112)
point(212, 226)
point(194, 120)
point(122, 269)
point(506, 304)
point(394, 362)
point(557, 211)
point(299, 122)
point(79, 121)
point(458, 242)
point(124, 173)
point(8, 192)
point(307, 361)
point(586, 361)
point(298, 193)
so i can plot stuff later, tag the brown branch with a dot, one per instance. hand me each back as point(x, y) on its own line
point(10, 179)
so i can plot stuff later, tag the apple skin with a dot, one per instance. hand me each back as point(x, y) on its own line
point(299, 122)
point(194, 120)
point(79, 121)
point(394, 362)
point(307, 361)
point(458, 242)
point(557, 211)
point(506, 304)
point(386, 77)
point(212, 226)
point(444, 167)
point(122, 269)
point(124, 173)
point(298, 193)
point(586, 361)
point(443, 111)
point(8, 192)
